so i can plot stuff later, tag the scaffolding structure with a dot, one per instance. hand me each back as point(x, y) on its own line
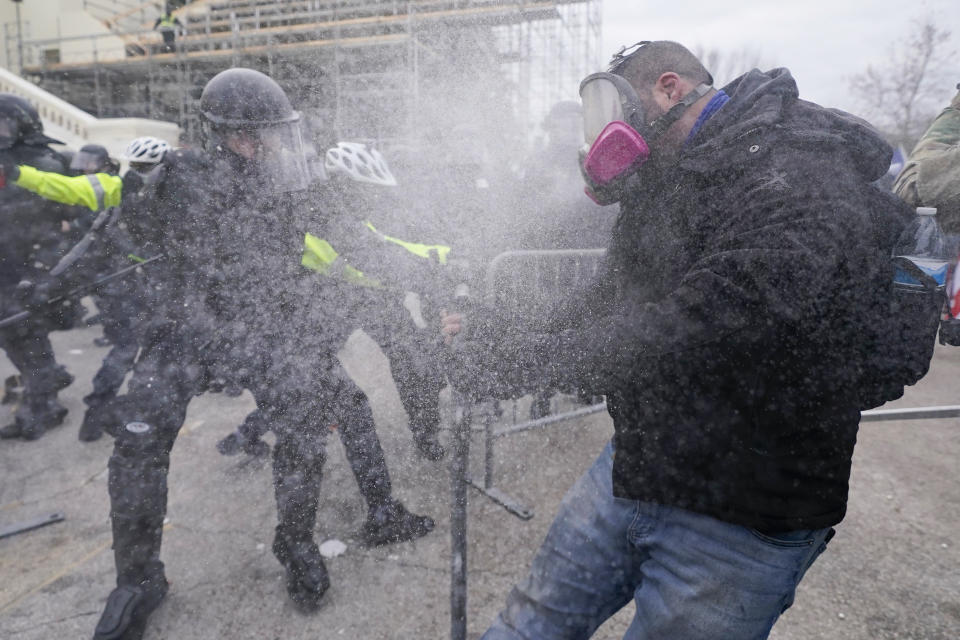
point(383, 70)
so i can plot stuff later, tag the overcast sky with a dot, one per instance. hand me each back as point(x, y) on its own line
point(822, 42)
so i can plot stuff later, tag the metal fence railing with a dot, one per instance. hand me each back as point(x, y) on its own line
point(524, 286)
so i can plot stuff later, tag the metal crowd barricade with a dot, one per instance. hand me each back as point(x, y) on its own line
point(525, 286)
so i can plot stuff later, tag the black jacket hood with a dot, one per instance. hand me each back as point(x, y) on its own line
point(768, 101)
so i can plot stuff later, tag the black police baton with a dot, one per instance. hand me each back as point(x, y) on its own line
point(78, 291)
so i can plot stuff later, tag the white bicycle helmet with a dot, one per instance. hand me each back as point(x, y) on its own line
point(358, 162)
point(147, 150)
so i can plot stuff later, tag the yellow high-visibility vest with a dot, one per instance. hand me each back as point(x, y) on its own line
point(320, 256)
point(427, 251)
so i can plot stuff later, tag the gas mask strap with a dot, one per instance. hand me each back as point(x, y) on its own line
point(661, 124)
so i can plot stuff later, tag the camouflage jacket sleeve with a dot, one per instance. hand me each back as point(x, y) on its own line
point(931, 176)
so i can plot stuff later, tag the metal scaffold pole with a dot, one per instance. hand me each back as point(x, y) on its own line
point(535, 48)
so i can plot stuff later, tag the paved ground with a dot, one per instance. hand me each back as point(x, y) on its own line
point(893, 571)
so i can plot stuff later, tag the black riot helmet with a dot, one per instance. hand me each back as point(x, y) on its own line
point(20, 123)
point(247, 114)
point(93, 158)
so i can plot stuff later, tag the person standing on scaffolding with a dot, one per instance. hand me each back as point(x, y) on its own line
point(167, 24)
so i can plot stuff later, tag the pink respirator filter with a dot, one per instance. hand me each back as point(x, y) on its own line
point(618, 149)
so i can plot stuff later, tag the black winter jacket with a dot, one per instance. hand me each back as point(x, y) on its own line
point(728, 333)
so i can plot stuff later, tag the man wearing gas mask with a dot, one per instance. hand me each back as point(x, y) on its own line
point(727, 336)
point(232, 301)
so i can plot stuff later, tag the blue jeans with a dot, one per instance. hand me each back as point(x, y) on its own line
point(691, 576)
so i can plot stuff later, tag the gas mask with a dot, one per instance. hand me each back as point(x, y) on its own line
point(618, 134)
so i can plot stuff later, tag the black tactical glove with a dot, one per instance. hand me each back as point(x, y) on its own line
point(489, 358)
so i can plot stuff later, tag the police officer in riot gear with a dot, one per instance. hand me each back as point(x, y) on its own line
point(91, 159)
point(98, 188)
point(356, 187)
point(28, 246)
point(237, 304)
point(120, 301)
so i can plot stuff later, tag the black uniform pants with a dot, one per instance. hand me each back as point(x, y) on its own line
point(300, 403)
point(145, 422)
point(28, 346)
point(301, 413)
point(414, 364)
point(119, 316)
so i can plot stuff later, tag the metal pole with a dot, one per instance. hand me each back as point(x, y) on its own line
point(96, 80)
point(544, 422)
point(488, 437)
point(19, 38)
point(914, 413)
point(458, 519)
point(459, 472)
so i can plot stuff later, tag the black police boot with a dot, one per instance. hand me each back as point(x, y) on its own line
point(391, 522)
point(61, 379)
point(128, 607)
point(247, 436)
point(307, 578)
point(92, 426)
point(235, 443)
point(12, 389)
point(296, 483)
point(34, 419)
point(96, 419)
point(229, 446)
point(425, 425)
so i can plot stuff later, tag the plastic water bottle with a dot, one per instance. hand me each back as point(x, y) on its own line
point(924, 244)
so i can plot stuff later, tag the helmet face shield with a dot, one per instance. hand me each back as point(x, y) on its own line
point(273, 155)
point(281, 158)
